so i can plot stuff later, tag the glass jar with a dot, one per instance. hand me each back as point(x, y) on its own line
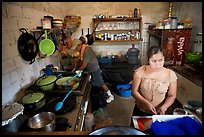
point(167, 24)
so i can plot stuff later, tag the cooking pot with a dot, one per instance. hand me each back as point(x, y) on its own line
point(68, 86)
point(118, 130)
point(34, 101)
point(12, 117)
point(27, 46)
point(44, 121)
point(46, 82)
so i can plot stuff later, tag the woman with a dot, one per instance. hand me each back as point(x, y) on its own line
point(154, 86)
point(90, 64)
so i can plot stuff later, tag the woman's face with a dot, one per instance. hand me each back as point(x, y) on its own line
point(157, 61)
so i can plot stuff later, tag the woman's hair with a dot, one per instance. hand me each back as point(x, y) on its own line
point(153, 50)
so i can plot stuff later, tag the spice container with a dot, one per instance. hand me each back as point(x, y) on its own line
point(46, 23)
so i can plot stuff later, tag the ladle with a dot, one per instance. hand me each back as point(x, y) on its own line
point(60, 104)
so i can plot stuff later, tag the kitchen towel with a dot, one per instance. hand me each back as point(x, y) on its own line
point(178, 126)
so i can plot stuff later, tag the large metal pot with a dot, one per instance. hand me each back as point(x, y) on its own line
point(34, 101)
point(12, 117)
point(118, 130)
point(44, 121)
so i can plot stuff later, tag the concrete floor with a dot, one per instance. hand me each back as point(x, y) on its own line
point(118, 112)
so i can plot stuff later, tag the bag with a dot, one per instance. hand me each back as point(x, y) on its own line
point(98, 98)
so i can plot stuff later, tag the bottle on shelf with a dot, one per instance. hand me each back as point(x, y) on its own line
point(135, 13)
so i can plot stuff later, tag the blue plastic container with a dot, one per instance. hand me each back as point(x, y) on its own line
point(124, 90)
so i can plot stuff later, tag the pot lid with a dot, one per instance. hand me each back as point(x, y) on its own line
point(32, 98)
point(46, 80)
point(10, 112)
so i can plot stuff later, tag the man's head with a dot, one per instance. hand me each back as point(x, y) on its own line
point(76, 44)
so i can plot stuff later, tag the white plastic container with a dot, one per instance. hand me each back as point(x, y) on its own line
point(46, 23)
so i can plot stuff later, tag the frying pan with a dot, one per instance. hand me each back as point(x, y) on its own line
point(90, 38)
point(68, 105)
point(27, 46)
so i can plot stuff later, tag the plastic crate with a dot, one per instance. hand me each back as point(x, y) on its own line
point(105, 60)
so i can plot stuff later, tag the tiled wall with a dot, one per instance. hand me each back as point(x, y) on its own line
point(17, 73)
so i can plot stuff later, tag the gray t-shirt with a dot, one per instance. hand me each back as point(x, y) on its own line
point(91, 59)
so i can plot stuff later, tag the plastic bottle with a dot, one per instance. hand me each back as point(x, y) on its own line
point(133, 55)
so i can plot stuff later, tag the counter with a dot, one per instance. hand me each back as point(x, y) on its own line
point(190, 73)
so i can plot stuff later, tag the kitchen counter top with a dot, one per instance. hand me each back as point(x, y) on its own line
point(190, 73)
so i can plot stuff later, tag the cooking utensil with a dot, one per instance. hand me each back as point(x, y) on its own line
point(60, 104)
point(118, 130)
point(47, 47)
point(44, 121)
point(33, 101)
point(68, 105)
point(27, 46)
point(90, 38)
point(78, 74)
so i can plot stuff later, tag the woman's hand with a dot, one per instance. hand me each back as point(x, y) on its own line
point(162, 110)
point(148, 107)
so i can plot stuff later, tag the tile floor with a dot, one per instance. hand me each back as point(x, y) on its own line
point(118, 112)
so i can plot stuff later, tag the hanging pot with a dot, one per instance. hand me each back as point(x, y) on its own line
point(33, 101)
point(90, 38)
point(27, 46)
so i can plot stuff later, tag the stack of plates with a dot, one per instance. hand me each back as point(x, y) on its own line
point(57, 23)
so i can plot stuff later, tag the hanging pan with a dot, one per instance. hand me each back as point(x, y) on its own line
point(27, 46)
point(47, 47)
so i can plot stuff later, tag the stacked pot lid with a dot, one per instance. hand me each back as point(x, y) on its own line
point(46, 80)
point(32, 98)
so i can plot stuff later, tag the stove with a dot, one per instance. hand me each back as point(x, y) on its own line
point(68, 120)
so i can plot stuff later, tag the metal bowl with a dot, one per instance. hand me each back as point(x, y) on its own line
point(44, 121)
point(118, 130)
